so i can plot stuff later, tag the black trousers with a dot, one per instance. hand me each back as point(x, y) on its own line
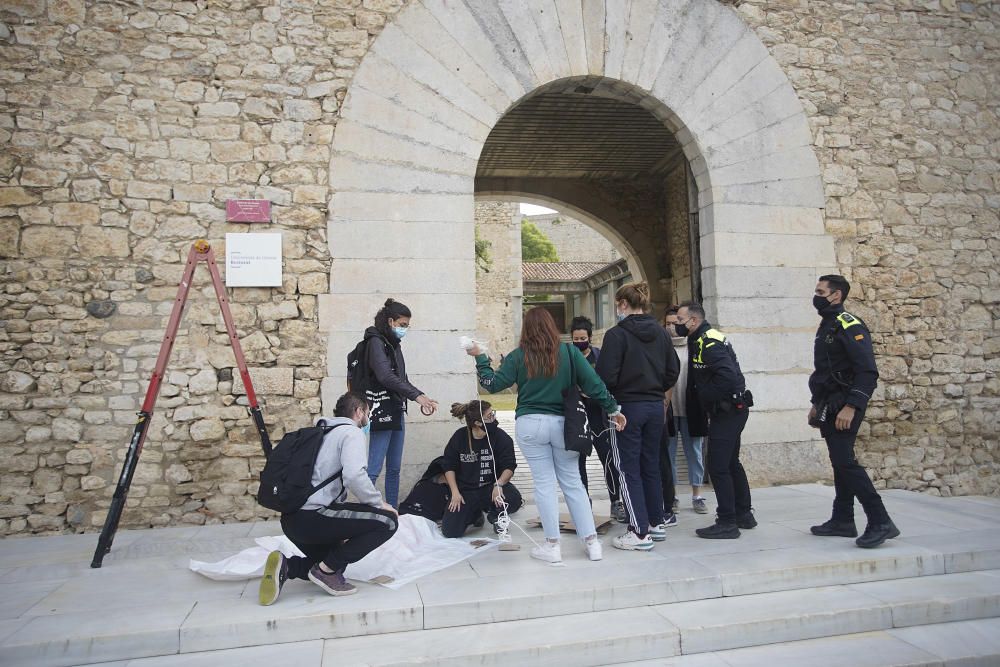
point(337, 535)
point(850, 479)
point(477, 501)
point(602, 444)
point(667, 473)
point(732, 490)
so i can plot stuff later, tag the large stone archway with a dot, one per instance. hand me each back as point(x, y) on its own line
point(421, 107)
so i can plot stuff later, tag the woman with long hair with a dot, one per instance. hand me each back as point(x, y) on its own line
point(542, 370)
point(388, 368)
point(478, 463)
point(639, 366)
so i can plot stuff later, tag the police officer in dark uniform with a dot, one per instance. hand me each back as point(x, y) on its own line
point(841, 386)
point(718, 406)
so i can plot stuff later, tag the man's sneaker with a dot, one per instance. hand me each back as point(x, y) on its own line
point(676, 505)
point(632, 542)
point(595, 551)
point(670, 520)
point(877, 533)
point(699, 506)
point(548, 552)
point(275, 576)
point(618, 512)
point(719, 531)
point(746, 521)
point(835, 529)
point(333, 583)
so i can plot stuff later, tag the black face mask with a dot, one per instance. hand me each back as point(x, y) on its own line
point(681, 330)
point(582, 345)
point(820, 303)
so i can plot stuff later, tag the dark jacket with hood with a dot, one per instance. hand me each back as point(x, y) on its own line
point(638, 361)
point(389, 372)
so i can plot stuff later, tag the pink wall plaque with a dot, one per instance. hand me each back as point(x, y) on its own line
point(248, 210)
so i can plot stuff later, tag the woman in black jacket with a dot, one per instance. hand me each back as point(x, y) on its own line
point(387, 365)
point(478, 463)
point(639, 366)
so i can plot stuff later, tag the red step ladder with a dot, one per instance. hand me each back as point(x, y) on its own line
point(201, 251)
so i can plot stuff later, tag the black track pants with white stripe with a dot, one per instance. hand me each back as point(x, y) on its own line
point(337, 535)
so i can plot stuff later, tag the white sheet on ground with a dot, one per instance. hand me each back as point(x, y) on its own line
point(417, 549)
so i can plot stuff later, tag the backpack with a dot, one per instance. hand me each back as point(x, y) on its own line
point(286, 480)
point(359, 375)
point(386, 407)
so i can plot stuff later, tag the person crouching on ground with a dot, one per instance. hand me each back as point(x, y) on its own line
point(331, 532)
point(478, 462)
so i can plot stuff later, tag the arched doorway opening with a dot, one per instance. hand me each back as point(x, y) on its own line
point(406, 170)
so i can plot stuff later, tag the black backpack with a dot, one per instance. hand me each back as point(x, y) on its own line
point(286, 480)
point(386, 407)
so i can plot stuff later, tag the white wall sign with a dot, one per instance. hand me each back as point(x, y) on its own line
point(253, 260)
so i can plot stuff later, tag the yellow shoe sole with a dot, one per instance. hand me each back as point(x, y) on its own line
point(269, 587)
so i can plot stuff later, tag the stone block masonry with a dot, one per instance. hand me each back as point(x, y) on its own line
point(123, 130)
point(125, 126)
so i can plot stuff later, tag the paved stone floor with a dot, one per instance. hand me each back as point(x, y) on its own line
point(776, 593)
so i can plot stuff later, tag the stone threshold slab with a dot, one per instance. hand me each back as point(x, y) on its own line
point(596, 638)
point(559, 591)
point(966, 643)
point(768, 618)
point(83, 638)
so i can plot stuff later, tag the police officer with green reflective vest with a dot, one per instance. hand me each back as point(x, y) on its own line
point(841, 386)
point(718, 406)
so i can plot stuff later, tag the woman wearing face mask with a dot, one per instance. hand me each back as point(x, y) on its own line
point(639, 366)
point(478, 463)
point(582, 330)
point(540, 367)
point(388, 366)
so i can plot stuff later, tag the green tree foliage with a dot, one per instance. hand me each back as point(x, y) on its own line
point(535, 245)
point(484, 258)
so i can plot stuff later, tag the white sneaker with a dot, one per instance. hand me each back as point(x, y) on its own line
point(595, 551)
point(632, 542)
point(658, 533)
point(548, 552)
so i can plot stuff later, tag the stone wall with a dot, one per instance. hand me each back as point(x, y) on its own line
point(124, 128)
point(499, 290)
point(678, 235)
point(574, 240)
point(901, 98)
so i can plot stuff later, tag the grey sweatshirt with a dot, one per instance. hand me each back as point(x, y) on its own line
point(344, 447)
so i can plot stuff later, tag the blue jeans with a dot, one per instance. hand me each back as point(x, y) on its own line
point(541, 440)
point(637, 453)
point(387, 447)
point(692, 450)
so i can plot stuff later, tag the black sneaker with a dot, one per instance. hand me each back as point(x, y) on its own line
point(719, 531)
point(835, 529)
point(746, 521)
point(479, 520)
point(275, 576)
point(877, 533)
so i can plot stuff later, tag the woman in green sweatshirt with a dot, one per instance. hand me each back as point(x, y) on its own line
point(540, 367)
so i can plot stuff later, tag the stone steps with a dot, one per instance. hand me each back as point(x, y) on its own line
point(966, 643)
point(901, 622)
point(776, 584)
point(638, 611)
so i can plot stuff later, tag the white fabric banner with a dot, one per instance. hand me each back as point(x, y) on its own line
point(417, 549)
